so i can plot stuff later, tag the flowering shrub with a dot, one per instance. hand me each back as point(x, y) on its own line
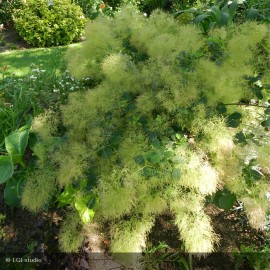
point(157, 134)
point(43, 24)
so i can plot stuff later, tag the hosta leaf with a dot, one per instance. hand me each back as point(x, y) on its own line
point(225, 18)
point(232, 9)
point(201, 17)
point(17, 141)
point(253, 13)
point(12, 192)
point(6, 168)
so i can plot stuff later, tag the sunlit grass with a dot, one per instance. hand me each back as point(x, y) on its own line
point(18, 62)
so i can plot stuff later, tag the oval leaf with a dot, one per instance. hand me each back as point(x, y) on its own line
point(17, 141)
point(147, 172)
point(155, 159)
point(266, 123)
point(6, 168)
point(267, 111)
point(253, 13)
point(11, 193)
point(227, 202)
point(139, 160)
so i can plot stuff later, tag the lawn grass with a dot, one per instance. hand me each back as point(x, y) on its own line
point(18, 62)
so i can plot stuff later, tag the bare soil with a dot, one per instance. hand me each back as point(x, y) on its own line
point(10, 40)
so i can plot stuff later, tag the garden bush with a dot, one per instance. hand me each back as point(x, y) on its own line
point(7, 8)
point(43, 23)
point(161, 131)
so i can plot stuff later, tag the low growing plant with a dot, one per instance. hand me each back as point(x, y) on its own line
point(159, 257)
point(15, 145)
point(25, 97)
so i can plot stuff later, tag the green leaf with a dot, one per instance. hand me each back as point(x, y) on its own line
point(156, 143)
point(216, 12)
point(255, 174)
point(116, 140)
point(267, 111)
point(240, 137)
point(6, 168)
point(12, 192)
point(66, 197)
point(32, 140)
point(169, 154)
point(106, 152)
point(85, 213)
point(190, 10)
point(225, 18)
point(176, 174)
point(257, 91)
point(221, 108)
point(252, 13)
point(201, 17)
point(235, 115)
point(178, 160)
point(234, 119)
point(147, 172)
point(155, 159)
point(232, 9)
point(266, 123)
point(227, 202)
point(17, 141)
point(224, 199)
point(139, 160)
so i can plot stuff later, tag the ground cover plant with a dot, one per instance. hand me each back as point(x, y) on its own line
point(156, 134)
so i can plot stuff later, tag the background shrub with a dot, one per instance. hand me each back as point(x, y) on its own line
point(43, 25)
point(6, 9)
